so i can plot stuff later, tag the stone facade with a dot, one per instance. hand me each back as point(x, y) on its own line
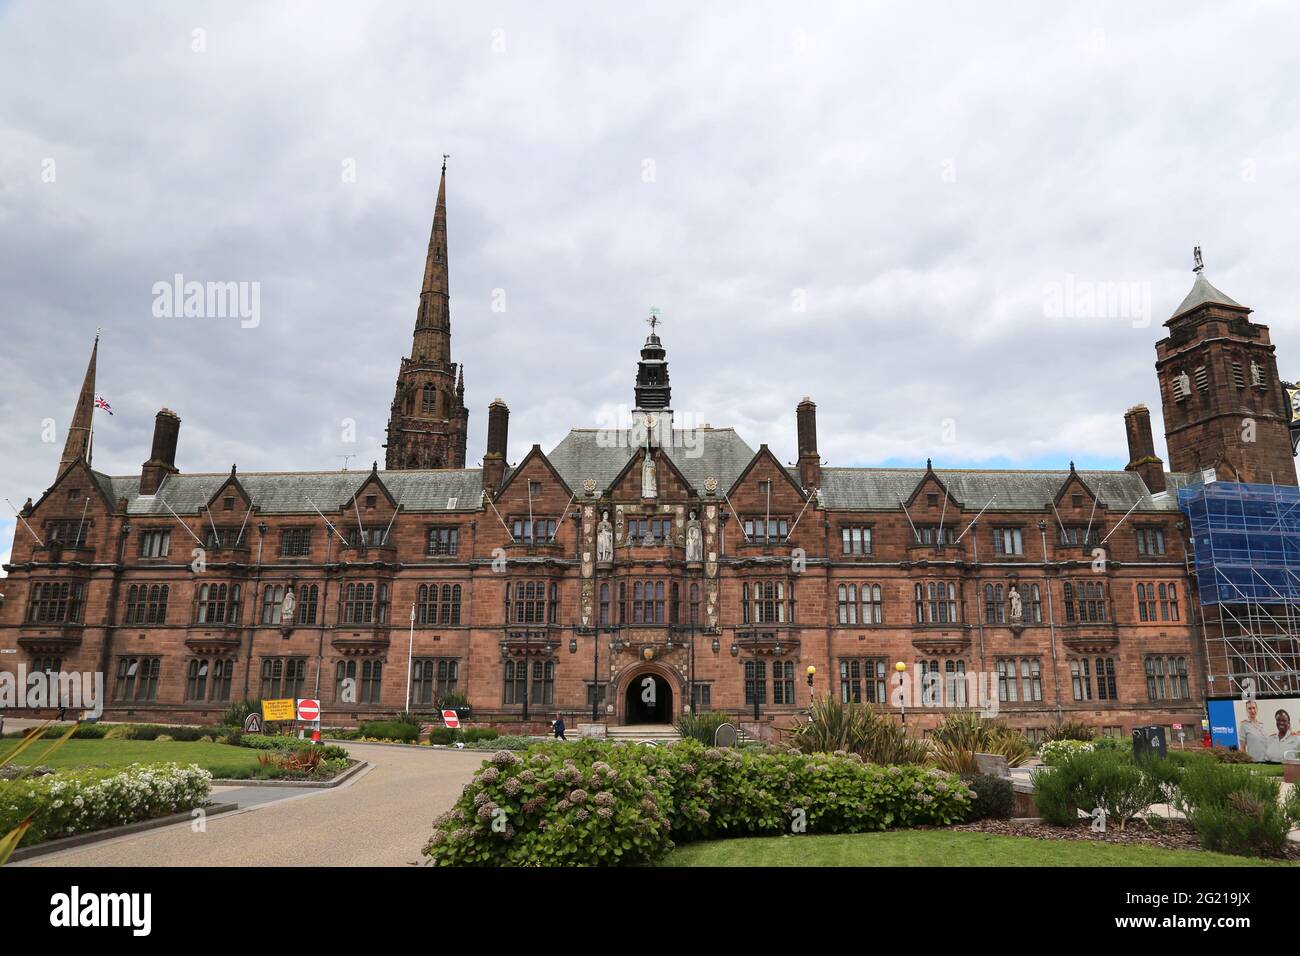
point(1064, 592)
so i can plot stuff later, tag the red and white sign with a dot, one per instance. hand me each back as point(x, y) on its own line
point(309, 710)
point(450, 718)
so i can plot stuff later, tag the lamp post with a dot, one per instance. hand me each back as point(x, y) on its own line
point(811, 672)
point(901, 669)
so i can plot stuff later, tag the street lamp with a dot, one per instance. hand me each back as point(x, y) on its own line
point(901, 669)
point(811, 671)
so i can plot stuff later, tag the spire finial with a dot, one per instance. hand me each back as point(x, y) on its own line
point(654, 319)
point(1198, 266)
point(445, 157)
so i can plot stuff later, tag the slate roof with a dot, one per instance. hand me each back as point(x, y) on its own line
point(883, 488)
point(288, 492)
point(721, 453)
point(601, 454)
point(1201, 293)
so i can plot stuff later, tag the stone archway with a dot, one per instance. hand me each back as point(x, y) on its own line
point(648, 695)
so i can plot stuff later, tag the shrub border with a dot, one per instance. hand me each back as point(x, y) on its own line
point(348, 774)
point(126, 829)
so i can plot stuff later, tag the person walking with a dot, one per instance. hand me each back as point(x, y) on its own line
point(557, 725)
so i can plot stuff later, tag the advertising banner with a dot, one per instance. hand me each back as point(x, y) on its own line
point(1267, 728)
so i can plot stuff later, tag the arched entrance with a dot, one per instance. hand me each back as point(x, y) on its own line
point(648, 700)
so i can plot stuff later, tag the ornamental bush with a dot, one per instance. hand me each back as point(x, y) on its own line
point(81, 801)
point(1084, 779)
point(390, 730)
point(287, 744)
point(1236, 810)
point(994, 798)
point(600, 803)
point(1054, 752)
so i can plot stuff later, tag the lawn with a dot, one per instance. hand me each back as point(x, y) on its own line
point(936, 848)
point(222, 760)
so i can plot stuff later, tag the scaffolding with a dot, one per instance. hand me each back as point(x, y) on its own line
point(1246, 564)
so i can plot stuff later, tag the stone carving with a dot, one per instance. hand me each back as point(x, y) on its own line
point(589, 486)
point(287, 606)
point(1017, 605)
point(604, 539)
point(711, 485)
point(694, 540)
point(649, 486)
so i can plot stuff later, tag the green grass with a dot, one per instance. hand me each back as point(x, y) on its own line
point(222, 760)
point(937, 848)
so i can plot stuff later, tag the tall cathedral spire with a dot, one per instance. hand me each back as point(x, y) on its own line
point(77, 444)
point(428, 420)
point(433, 320)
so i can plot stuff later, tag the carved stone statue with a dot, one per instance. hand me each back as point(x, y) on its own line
point(604, 538)
point(649, 487)
point(1017, 606)
point(694, 540)
point(287, 606)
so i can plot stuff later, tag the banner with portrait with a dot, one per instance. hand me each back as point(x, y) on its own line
point(1267, 728)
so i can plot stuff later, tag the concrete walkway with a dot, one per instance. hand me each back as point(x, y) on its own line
point(380, 818)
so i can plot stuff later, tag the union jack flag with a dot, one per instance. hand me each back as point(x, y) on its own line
point(100, 403)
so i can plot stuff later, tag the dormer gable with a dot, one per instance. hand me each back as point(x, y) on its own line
point(670, 483)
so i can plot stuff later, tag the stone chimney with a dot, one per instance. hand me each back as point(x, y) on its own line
point(162, 459)
point(810, 462)
point(1142, 449)
point(494, 459)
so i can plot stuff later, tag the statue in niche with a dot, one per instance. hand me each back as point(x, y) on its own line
point(1017, 606)
point(649, 487)
point(694, 540)
point(604, 539)
point(287, 606)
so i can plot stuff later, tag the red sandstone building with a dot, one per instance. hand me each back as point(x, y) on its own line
point(680, 560)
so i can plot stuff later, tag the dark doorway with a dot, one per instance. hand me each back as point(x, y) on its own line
point(649, 700)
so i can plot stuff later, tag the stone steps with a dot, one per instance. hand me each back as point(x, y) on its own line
point(657, 733)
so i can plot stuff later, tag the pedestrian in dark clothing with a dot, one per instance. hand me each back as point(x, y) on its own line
point(557, 725)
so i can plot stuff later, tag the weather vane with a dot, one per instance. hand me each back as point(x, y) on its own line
point(445, 157)
point(654, 319)
point(1196, 255)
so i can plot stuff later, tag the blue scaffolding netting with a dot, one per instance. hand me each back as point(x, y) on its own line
point(1246, 541)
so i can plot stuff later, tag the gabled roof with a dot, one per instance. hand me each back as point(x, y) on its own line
point(601, 454)
point(634, 463)
point(288, 492)
point(880, 489)
point(1203, 293)
point(534, 452)
point(943, 486)
point(233, 479)
point(373, 477)
point(1074, 476)
point(765, 454)
point(102, 484)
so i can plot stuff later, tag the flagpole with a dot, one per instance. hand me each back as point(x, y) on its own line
point(410, 651)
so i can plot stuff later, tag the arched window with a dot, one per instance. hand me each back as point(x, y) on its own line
point(429, 400)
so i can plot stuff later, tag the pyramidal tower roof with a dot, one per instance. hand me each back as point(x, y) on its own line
point(1203, 293)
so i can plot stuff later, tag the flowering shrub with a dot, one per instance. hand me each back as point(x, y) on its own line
point(1054, 752)
point(80, 801)
point(601, 803)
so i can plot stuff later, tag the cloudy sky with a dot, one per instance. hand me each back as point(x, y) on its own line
point(958, 227)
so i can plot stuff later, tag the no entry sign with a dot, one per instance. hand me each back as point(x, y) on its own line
point(309, 710)
point(450, 718)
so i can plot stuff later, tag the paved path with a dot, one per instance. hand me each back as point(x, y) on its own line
point(381, 818)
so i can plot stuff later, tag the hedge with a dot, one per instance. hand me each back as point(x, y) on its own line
point(390, 730)
point(81, 801)
point(600, 803)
